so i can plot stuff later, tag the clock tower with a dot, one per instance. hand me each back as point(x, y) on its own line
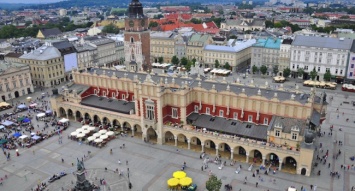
point(136, 38)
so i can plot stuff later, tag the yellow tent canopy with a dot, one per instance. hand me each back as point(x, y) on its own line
point(173, 182)
point(185, 181)
point(179, 174)
point(4, 104)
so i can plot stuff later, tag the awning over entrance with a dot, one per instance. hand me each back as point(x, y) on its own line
point(232, 127)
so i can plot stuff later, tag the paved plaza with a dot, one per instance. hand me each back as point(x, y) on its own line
point(151, 165)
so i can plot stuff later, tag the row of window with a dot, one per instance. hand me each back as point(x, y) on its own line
point(221, 114)
point(278, 134)
point(113, 95)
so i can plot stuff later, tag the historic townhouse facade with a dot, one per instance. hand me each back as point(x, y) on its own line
point(195, 46)
point(15, 80)
point(162, 44)
point(322, 53)
point(266, 52)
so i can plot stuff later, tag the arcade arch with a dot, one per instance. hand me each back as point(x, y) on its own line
point(224, 150)
point(62, 112)
point(182, 141)
point(272, 159)
point(239, 154)
point(289, 164)
point(116, 124)
point(137, 131)
point(169, 138)
point(78, 116)
point(70, 114)
point(97, 119)
point(255, 156)
point(195, 144)
point(210, 147)
point(151, 135)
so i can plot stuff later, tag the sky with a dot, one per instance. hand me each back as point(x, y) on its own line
point(28, 1)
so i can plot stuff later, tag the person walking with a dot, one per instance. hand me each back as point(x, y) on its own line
point(256, 184)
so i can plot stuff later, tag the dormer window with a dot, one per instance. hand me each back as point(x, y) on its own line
point(277, 133)
point(207, 110)
point(294, 136)
point(132, 40)
point(266, 121)
point(196, 108)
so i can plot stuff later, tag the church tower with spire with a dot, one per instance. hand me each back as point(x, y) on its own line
point(137, 38)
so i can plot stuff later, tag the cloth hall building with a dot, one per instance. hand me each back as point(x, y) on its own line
point(263, 126)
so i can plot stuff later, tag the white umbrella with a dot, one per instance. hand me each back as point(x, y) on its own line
point(85, 127)
point(103, 131)
point(103, 137)
point(96, 135)
point(80, 135)
point(98, 140)
point(110, 133)
point(85, 131)
point(79, 130)
point(91, 128)
point(73, 133)
point(91, 138)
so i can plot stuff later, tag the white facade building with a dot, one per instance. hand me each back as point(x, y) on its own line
point(350, 73)
point(321, 53)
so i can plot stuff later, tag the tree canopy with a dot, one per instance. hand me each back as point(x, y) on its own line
point(175, 60)
point(111, 28)
point(254, 69)
point(263, 69)
point(327, 76)
point(286, 72)
point(313, 73)
point(213, 184)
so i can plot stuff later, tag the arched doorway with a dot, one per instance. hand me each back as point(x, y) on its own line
point(151, 135)
point(62, 112)
point(97, 120)
point(210, 147)
point(3, 98)
point(169, 138)
point(303, 171)
point(17, 94)
point(289, 164)
point(116, 124)
point(78, 116)
point(195, 144)
point(224, 150)
point(127, 127)
point(240, 154)
point(70, 114)
point(106, 123)
point(182, 141)
point(272, 159)
point(255, 156)
point(28, 90)
point(87, 118)
point(137, 131)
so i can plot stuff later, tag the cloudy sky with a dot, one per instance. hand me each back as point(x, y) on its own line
point(28, 1)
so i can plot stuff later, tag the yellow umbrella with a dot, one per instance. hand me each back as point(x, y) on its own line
point(179, 174)
point(185, 181)
point(173, 182)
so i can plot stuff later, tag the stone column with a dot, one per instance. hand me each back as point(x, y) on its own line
point(216, 150)
point(203, 147)
point(280, 163)
point(247, 157)
point(75, 118)
point(263, 160)
point(188, 144)
point(132, 130)
point(232, 154)
point(175, 137)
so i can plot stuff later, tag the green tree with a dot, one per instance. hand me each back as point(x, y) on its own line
point(275, 70)
point(263, 69)
point(300, 72)
point(153, 24)
point(227, 66)
point(183, 61)
point(159, 16)
point(254, 69)
point(188, 65)
point(111, 28)
point(313, 73)
point(286, 72)
point(213, 184)
point(216, 64)
point(327, 75)
point(269, 24)
point(175, 60)
point(196, 21)
point(193, 60)
point(161, 60)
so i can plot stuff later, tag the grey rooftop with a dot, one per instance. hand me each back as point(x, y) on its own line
point(323, 42)
point(108, 104)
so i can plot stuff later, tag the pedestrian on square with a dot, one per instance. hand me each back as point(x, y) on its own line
point(256, 184)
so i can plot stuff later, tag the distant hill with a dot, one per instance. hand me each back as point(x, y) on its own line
point(82, 3)
point(12, 6)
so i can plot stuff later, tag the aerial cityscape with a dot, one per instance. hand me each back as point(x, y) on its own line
point(161, 95)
